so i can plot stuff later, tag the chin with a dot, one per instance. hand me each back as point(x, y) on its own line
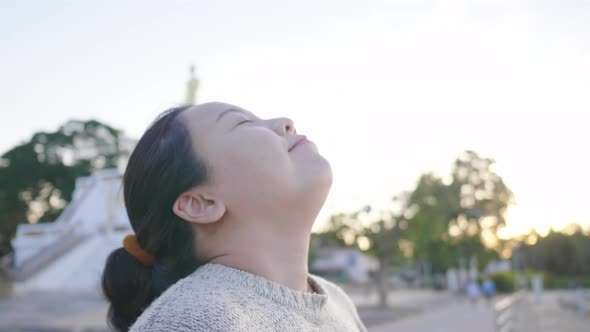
point(318, 180)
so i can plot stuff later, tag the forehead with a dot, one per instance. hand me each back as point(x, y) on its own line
point(204, 116)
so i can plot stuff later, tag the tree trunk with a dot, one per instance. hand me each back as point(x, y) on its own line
point(382, 287)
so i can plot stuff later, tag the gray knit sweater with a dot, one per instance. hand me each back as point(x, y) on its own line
point(220, 298)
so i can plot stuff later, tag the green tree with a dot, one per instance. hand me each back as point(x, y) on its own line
point(483, 197)
point(438, 222)
point(560, 253)
point(377, 233)
point(459, 216)
point(37, 178)
point(431, 207)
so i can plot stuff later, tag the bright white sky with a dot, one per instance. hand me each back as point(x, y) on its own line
point(387, 89)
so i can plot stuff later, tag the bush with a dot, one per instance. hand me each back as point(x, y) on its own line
point(553, 281)
point(504, 281)
point(565, 282)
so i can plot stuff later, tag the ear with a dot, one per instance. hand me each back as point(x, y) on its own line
point(198, 207)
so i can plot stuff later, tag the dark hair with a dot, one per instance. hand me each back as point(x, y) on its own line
point(161, 167)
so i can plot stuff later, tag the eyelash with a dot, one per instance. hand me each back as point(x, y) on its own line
point(244, 122)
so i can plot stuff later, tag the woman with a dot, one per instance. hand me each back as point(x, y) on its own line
point(222, 204)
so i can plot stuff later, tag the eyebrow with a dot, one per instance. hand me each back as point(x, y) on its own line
point(227, 111)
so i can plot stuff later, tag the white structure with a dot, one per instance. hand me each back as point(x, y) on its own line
point(463, 277)
point(537, 286)
point(191, 87)
point(70, 253)
point(350, 262)
point(453, 280)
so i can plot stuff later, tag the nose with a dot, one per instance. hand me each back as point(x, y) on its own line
point(284, 126)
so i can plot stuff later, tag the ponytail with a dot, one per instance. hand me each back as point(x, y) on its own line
point(126, 283)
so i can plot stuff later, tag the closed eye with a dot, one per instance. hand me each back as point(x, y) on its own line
point(246, 121)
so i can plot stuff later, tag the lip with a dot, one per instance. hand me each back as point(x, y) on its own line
point(299, 141)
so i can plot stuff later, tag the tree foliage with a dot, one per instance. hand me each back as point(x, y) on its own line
point(37, 177)
point(439, 221)
point(460, 217)
point(560, 253)
point(378, 233)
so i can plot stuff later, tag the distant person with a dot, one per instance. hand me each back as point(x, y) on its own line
point(572, 284)
point(222, 204)
point(473, 291)
point(489, 288)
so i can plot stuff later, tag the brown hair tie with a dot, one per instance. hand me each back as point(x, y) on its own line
point(132, 246)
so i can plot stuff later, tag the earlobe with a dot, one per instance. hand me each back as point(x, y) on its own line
point(198, 208)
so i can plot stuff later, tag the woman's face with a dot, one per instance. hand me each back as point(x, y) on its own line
point(256, 169)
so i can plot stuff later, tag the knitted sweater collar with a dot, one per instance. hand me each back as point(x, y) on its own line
point(232, 277)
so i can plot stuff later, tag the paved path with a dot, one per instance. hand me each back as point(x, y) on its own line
point(550, 314)
point(456, 316)
point(414, 298)
point(53, 312)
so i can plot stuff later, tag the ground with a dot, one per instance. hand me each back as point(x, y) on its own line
point(409, 310)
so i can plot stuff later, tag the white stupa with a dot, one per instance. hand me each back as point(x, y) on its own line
point(70, 253)
point(191, 87)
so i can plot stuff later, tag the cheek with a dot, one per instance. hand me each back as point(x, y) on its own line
point(254, 167)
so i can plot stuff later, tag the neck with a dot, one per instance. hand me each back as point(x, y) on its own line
point(273, 253)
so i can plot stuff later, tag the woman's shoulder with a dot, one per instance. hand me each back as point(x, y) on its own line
point(190, 304)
